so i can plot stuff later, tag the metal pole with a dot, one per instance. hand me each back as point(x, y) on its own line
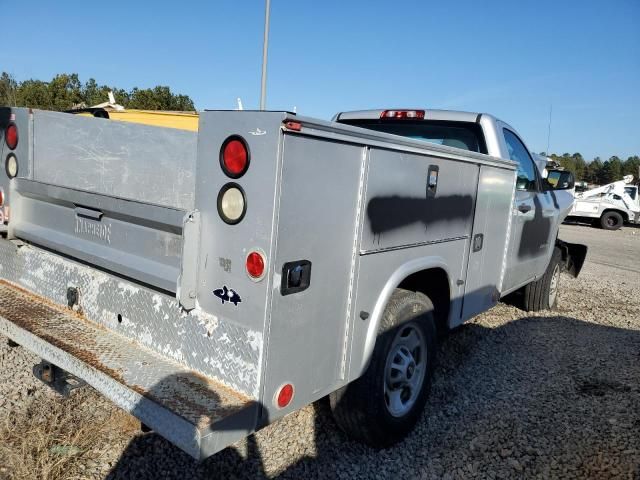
point(263, 88)
point(549, 131)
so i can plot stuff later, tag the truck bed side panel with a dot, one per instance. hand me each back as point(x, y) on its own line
point(380, 273)
point(138, 162)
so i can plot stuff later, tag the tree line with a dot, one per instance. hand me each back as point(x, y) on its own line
point(65, 91)
point(597, 171)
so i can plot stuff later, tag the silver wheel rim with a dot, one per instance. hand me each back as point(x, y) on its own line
point(553, 286)
point(405, 369)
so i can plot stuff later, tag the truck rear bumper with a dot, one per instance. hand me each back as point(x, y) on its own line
point(218, 349)
point(196, 413)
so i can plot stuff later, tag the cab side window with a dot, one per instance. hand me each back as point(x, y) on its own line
point(519, 154)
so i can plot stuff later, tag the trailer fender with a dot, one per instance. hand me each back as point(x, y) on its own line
point(573, 256)
point(396, 278)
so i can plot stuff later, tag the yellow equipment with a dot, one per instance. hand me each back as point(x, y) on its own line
point(156, 118)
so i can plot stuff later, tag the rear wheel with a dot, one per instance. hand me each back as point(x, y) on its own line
point(543, 293)
point(383, 405)
point(611, 220)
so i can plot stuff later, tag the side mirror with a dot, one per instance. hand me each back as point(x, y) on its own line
point(560, 180)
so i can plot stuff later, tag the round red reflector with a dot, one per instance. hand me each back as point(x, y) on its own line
point(285, 395)
point(234, 157)
point(255, 265)
point(11, 136)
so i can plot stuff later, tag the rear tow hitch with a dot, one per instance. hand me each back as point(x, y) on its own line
point(60, 380)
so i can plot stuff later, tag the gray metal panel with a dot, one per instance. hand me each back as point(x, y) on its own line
point(399, 211)
point(380, 273)
point(211, 345)
point(138, 162)
point(140, 241)
point(492, 217)
point(223, 247)
point(317, 222)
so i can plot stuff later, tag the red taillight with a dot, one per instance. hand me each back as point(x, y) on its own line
point(1, 197)
point(234, 157)
point(285, 395)
point(11, 136)
point(255, 265)
point(407, 114)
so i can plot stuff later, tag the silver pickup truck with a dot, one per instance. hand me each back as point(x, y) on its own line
point(212, 282)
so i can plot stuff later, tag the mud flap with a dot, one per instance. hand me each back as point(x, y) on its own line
point(573, 256)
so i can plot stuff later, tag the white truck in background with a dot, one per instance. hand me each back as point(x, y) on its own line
point(610, 206)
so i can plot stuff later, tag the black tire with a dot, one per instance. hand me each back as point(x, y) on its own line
point(543, 293)
point(361, 407)
point(611, 220)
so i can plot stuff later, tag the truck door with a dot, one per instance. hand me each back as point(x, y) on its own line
point(532, 219)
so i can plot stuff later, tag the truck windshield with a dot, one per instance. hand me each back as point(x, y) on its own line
point(465, 135)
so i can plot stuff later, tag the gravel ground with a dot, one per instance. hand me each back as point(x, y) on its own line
point(551, 395)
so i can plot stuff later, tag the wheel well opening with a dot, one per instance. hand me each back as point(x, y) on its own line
point(434, 283)
point(622, 214)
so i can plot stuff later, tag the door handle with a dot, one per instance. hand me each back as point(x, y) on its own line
point(88, 213)
point(524, 208)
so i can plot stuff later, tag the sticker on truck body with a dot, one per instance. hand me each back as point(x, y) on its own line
point(227, 295)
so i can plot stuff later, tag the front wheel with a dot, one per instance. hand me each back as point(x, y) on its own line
point(543, 293)
point(383, 405)
point(611, 220)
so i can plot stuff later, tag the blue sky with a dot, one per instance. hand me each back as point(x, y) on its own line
point(509, 58)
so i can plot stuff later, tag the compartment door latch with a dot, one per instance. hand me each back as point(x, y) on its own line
point(296, 277)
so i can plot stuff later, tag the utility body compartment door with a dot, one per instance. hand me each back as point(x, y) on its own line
point(488, 248)
point(416, 200)
point(316, 224)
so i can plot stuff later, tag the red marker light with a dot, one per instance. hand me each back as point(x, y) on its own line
point(1, 197)
point(285, 395)
point(295, 126)
point(11, 136)
point(255, 265)
point(404, 114)
point(234, 157)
